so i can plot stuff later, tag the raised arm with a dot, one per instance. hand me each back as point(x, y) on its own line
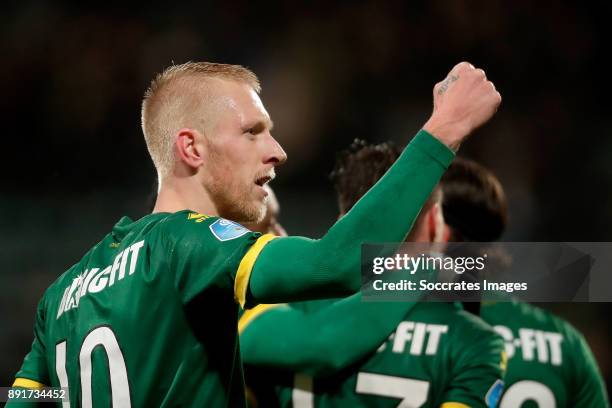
point(295, 268)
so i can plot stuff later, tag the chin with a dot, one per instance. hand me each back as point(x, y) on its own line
point(258, 213)
point(249, 214)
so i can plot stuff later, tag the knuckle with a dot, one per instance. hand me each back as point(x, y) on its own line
point(463, 66)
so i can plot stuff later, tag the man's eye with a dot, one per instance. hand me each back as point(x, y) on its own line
point(255, 129)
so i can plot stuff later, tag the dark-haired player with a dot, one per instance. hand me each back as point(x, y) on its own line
point(549, 361)
point(437, 354)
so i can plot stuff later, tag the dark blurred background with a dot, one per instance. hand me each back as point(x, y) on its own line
point(74, 160)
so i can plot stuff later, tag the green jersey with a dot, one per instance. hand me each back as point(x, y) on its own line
point(439, 355)
point(549, 361)
point(135, 323)
point(149, 315)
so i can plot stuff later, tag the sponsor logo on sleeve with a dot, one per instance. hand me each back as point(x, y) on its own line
point(225, 230)
point(494, 394)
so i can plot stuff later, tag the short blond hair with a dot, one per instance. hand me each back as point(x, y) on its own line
point(172, 98)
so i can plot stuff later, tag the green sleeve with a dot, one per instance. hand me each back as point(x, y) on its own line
point(34, 367)
point(34, 371)
point(479, 364)
point(590, 390)
point(306, 341)
point(295, 268)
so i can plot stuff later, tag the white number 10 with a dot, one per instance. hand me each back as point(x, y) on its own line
point(104, 337)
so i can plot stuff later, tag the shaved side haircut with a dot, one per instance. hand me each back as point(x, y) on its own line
point(183, 97)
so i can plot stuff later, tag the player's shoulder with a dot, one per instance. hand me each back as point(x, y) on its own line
point(520, 315)
point(551, 322)
point(529, 315)
point(123, 233)
point(460, 322)
point(189, 224)
point(469, 323)
point(449, 312)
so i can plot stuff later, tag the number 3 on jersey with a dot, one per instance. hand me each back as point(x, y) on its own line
point(104, 337)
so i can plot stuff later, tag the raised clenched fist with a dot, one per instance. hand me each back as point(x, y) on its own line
point(463, 101)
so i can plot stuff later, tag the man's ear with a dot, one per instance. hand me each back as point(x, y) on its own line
point(436, 224)
point(189, 148)
point(446, 236)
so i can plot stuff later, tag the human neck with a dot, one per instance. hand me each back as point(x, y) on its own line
point(186, 193)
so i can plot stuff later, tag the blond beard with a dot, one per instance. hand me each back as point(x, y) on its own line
point(225, 194)
point(230, 206)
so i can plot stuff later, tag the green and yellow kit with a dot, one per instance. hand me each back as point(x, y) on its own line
point(549, 361)
point(438, 355)
point(135, 322)
point(148, 317)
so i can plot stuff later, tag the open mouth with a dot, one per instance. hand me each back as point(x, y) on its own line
point(262, 181)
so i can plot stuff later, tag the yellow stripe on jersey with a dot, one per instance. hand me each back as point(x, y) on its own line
point(246, 267)
point(248, 316)
point(504, 361)
point(454, 405)
point(27, 383)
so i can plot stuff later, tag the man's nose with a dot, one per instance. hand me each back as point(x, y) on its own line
point(275, 153)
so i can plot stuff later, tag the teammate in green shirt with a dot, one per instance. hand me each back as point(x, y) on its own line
point(437, 354)
point(549, 361)
point(148, 316)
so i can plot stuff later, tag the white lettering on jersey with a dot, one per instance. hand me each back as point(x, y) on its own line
point(543, 345)
point(419, 335)
point(95, 280)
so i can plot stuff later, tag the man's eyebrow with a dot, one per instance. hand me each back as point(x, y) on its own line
point(259, 125)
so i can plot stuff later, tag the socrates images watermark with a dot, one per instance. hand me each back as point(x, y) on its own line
point(487, 271)
point(439, 264)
